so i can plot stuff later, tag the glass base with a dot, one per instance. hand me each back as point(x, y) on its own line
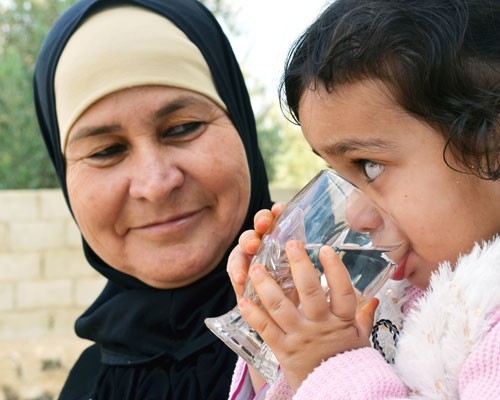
point(233, 330)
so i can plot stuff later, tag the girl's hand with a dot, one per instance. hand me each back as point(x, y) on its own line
point(302, 337)
point(249, 241)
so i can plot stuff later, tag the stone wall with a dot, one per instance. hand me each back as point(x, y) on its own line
point(45, 284)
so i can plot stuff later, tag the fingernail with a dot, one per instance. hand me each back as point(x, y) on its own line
point(293, 248)
point(256, 273)
point(254, 243)
point(326, 250)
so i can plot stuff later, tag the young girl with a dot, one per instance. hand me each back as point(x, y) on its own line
point(402, 98)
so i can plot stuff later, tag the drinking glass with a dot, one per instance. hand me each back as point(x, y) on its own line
point(317, 215)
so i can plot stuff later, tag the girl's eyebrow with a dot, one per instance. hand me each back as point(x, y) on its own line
point(352, 145)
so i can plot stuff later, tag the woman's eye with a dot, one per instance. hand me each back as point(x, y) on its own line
point(183, 131)
point(109, 151)
point(372, 169)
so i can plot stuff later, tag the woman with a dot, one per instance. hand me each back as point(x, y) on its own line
point(148, 123)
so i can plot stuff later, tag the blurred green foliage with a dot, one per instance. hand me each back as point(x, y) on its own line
point(23, 159)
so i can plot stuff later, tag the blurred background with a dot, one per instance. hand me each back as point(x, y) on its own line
point(45, 282)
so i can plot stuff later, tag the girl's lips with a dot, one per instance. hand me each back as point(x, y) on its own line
point(399, 274)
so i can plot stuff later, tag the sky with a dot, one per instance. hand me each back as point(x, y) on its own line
point(268, 29)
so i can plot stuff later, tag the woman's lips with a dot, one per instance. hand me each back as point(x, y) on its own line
point(166, 224)
point(399, 274)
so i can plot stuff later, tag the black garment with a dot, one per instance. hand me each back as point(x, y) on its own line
point(153, 343)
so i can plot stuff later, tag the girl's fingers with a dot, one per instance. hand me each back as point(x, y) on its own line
point(307, 281)
point(343, 299)
point(277, 209)
point(260, 320)
point(280, 308)
point(237, 269)
point(249, 242)
point(366, 315)
point(262, 221)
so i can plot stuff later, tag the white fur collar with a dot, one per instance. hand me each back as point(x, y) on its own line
point(445, 323)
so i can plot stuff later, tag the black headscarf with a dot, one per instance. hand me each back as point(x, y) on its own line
point(152, 343)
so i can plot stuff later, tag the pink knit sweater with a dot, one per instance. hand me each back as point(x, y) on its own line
point(364, 374)
point(450, 350)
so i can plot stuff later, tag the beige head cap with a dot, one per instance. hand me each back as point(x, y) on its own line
point(123, 47)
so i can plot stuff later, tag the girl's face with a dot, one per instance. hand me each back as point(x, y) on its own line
point(397, 161)
point(159, 183)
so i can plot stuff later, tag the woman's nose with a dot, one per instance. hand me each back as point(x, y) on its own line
point(362, 215)
point(154, 176)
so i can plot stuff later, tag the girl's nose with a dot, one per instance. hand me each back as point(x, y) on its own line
point(154, 176)
point(362, 215)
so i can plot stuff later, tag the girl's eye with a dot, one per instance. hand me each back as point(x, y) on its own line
point(109, 152)
point(372, 169)
point(184, 131)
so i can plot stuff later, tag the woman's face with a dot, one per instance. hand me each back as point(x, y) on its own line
point(397, 161)
point(159, 183)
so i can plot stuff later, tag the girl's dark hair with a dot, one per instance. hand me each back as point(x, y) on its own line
point(439, 58)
